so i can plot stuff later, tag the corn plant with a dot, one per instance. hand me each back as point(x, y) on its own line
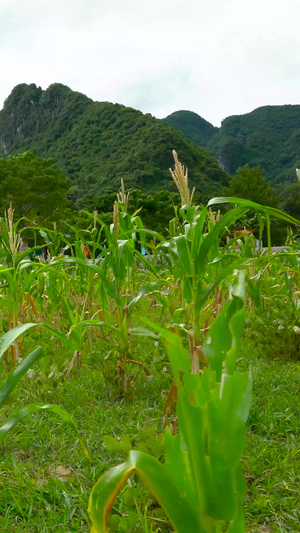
point(200, 485)
point(115, 270)
point(268, 212)
point(199, 265)
point(201, 261)
point(22, 281)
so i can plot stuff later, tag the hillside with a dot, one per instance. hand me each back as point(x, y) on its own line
point(97, 143)
point(192, 126)
point(268, 137)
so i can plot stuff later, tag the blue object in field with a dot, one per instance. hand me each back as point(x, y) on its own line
point(143, 250)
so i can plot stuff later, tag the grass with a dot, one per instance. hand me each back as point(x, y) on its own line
point(32, 499)
point(272, 454)
point(36, 498)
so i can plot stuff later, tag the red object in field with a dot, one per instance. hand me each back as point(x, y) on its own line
point(86, 251)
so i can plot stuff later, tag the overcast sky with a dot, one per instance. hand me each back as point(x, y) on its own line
point(214, 57)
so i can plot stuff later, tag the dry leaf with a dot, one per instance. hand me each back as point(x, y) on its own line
point(61, 472)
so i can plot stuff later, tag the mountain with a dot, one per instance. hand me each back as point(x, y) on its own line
point(192, 126)
point(268, 137)
point(97, 143)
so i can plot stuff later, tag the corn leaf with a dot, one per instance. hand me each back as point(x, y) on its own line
point(175, 503)
point(15, 376)
point(212, 238)
point(12, 335)
point(270, 211)
point(224, 335)
point(147, 288)
point(34, 408)
point(178, 355)
point(183, 247)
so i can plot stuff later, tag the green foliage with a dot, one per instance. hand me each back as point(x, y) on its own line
point(147, 441)
point(192, 126)
point(12, 381)
point(249, 183)
point(276, 314)
point(290, 199)
point(157, 209)
point(267, 138)
point(264, 222)
point(96, 144)
point(93, 308)
point(15, 376)
point(32, 499)
point(199, 266)
point(200, 485)
point(35, 189)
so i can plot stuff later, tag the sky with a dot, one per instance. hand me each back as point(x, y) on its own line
point(214, 57)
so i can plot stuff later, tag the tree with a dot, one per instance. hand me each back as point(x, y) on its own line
point(157, 209)
point(35, 188)
point(290, 199)
point(249, 183)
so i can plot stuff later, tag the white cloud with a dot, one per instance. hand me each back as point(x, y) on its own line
point(217, 58)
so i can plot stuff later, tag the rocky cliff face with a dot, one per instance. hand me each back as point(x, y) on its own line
point(97, 143)
point(29, 112)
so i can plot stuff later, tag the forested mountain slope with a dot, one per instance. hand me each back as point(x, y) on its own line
point(268, 137)
point(192, 126)
point(97, 143)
